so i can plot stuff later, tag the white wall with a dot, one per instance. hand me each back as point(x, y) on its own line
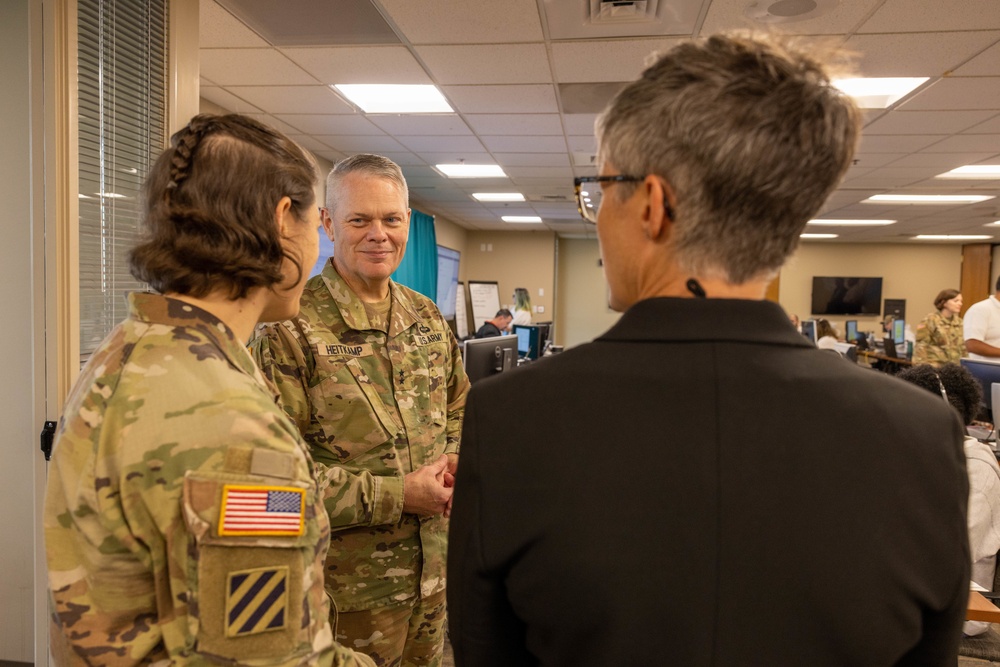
point(582, 311)
point(20, 260)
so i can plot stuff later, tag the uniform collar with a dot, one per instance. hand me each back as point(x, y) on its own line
point(153, 308)
point(702, 320)
point(402, 314)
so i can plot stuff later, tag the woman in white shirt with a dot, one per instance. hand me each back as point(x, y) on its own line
point(826, 335)
point(522, 307)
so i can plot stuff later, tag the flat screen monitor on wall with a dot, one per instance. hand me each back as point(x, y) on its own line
point(846, 296)
point(448, 261)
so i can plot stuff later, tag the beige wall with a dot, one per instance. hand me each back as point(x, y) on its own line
point(514, 259)
point(582, 310)
point(452, 236)
point(912, 272)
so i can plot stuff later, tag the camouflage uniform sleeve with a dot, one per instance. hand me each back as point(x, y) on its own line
point(353, 496)
point(458, 389)
point(285, 364)
point(926, 331)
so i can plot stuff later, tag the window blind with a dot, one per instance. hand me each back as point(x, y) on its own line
point(122, 129)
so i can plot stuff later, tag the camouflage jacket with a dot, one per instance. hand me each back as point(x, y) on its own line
point(372, 406)
point(182, 521)
point(940, 340)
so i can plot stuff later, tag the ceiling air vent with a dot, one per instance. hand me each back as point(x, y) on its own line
point(549, 198)
point(581, 159)
point(603, 12)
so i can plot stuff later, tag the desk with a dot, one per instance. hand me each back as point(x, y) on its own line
point(981, 609)
point(886, 364)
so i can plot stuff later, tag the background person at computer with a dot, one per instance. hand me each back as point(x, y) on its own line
point(670, 483)
point(826, 335)
point(522, 307)
point(495, 327)
point(964, 393)
point(940, 337)
point(982, 328)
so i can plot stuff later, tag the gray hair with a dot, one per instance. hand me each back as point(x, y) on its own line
point(366, 163)
point(752, 137)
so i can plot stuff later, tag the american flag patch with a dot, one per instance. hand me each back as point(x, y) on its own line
point(262, 510)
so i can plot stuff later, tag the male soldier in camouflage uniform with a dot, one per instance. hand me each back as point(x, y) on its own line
point(940, 337)
point(182, 522)
point(370, 372)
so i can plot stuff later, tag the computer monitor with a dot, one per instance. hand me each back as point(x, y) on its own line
point(808, 329)
point(898, 332)
point(544, 335)
point(528, 340)
point(851, 331)
point(484, 357)
point(987, 373)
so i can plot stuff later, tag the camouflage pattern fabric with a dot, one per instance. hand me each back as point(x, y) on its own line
point(408, 635)
point(182, 521)
point(374, 400)
point(940, 340)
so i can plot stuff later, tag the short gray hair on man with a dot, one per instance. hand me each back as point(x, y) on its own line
point(366, 163)
point(752, 137)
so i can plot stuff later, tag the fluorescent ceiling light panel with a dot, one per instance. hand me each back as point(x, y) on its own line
point(973, 171)
point(995, 223)
point(498, 196)
point(926, 199)
point(952, 237)
point(471, 170)
point(818, 236)
point(851, 223)
point(878, 93)
point(395, 98)
point(521, 218)
point(110, 195)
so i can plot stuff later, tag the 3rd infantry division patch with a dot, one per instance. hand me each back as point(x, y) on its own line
point(256, 601)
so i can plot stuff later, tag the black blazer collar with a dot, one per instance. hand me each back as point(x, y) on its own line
point(676, 319)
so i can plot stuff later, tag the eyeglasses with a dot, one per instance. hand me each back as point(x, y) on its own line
point(588, 199)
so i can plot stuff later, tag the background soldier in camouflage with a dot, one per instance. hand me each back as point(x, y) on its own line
point(182, 520)
point(940, 337)
point(371, 374)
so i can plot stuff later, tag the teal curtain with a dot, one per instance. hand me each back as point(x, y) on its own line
point(419, 270)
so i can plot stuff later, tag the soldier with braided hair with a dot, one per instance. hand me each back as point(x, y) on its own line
point(183, 523)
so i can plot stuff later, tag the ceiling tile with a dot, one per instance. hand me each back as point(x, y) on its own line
point(309, 142)
point(355, 143)
point(454, 143)
point(582, 144)
point(293, 99)
point(227, 100)
point(523, 124)
point(532, 159)
point(540, 172)
point(957, 93)
point(489, 63)
point(967, 143)
point(845, 16)
point(360, 64)
point(410, 124)
point(926, 122)
point(510, 144)
point(580, 123)
point(917, 15)
point(251, 67)
point(436, 157)
point(942, 161)
point(330, 124)
point(277, 124)
point(904, 143)
point(917, 54)
point(992, 126)
point(217, 28)
point(502, 99)
point(984, 64)
point(314, 22)
point(403, 159)
point(600, 61)
point(481, 21)
point(868, 160)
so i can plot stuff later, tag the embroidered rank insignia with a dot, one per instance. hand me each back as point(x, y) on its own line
point(262, 510)
point(256, 601)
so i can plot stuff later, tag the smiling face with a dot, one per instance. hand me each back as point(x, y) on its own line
point(369, 226)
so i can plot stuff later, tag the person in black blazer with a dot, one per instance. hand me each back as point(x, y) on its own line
point(700, 485)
